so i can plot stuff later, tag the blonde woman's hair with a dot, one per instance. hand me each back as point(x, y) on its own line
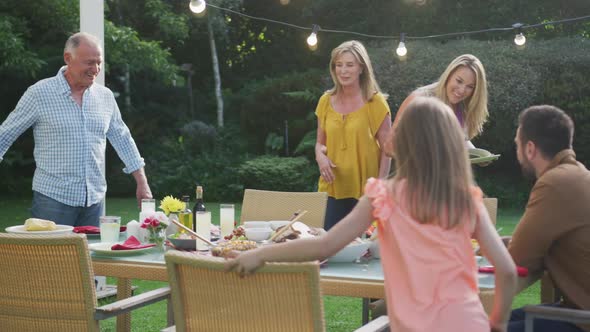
point(476, 106)
point(369, 85)
point(430, 155)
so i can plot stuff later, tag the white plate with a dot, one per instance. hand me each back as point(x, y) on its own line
point(105, 249)
point(476, 153)
point(484, 159)
point(20, 229)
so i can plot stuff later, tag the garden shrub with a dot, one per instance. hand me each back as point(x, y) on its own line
point(278, 173)
point(266, 104)
point(177, 164)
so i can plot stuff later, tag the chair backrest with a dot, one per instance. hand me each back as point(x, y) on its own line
point(279, 205)
point(491, 205)
point(46, 283)
point(278, 297)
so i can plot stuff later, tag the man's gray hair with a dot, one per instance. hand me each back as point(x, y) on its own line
point(74, 41)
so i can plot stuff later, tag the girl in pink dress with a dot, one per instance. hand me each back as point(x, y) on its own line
point(426, 215)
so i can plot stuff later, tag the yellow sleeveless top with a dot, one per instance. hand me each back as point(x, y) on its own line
point(352, 145)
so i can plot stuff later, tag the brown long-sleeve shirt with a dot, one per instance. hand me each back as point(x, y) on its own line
point(554, 232)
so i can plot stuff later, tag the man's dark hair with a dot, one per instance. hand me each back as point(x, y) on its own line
point(548, 127)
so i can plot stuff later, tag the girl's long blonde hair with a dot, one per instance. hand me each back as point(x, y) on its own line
point(368, 83)
point(476, 106)
point(430, 155)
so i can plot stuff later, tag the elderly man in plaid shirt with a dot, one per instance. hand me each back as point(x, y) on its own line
point(72, 118)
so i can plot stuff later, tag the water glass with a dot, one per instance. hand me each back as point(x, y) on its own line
point(203, 228)
point(148, 205)
point(226, 219)
point(109, 228)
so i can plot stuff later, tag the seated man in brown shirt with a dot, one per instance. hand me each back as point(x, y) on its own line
point(554, 232)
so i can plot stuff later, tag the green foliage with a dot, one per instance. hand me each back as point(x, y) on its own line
point(512, 190)
point(307, 145)
point(278, 173)
point(274, 143)
point(126, 47)
point(175, 166)
point(13, 53)
point(170, 25)
point(265, 105)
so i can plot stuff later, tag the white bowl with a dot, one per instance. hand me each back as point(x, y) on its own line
point(350, 253)
point(274, 224)
point(258, 234)
point(256, 224)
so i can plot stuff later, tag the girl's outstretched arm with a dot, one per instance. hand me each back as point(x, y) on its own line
point(321, 247)
point(494, 249)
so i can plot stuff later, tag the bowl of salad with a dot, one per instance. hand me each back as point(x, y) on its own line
point(183, 241)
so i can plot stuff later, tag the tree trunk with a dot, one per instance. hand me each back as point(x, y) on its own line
point(216, 74)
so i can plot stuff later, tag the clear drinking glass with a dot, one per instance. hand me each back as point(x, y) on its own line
point(203, 228)
point(148, 205)
point(226, 219)
point(109, 228)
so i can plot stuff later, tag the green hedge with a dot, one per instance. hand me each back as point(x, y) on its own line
point(279, 173)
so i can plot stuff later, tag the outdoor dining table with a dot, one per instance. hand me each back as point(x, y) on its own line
point(363, 280)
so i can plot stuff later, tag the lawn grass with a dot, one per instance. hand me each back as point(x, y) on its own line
point(341, 313)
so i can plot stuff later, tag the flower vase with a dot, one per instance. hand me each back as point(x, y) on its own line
point(158, 238)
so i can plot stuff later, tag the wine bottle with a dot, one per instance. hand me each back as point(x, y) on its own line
point(186, 215)
point(199, 206)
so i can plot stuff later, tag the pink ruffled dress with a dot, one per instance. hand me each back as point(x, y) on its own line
point(430, 272)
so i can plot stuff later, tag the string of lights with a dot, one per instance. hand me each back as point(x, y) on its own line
point(199, 7)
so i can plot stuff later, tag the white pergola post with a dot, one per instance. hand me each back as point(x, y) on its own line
point(92, 21)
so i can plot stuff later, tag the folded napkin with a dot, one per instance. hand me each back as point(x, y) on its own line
point(131, 243)
point(521, 271)
point(92, 229)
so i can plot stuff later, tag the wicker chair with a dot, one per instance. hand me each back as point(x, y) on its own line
point(562, 314)
point(47, 284)
point(278, 297)
point(280, 205)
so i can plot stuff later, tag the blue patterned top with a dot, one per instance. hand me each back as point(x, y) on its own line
point(70, 140)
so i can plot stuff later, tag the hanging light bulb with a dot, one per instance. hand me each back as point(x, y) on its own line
point(312, 40)
point(285, 2)
point(197, 6)
point(401, 47)
point(519, 39)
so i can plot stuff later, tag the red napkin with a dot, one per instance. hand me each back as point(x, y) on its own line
point(521, 271)
point(130, 244)
point(92, 229)
point(87, 230)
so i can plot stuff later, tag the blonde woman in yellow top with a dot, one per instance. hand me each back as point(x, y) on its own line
point(353, 122)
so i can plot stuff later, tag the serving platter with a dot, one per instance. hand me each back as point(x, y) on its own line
point(20, 229)
point(478, 156)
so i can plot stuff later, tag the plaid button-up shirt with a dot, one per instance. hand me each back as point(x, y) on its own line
point(70, 140)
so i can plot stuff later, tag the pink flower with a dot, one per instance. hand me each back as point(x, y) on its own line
point(155, 223)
